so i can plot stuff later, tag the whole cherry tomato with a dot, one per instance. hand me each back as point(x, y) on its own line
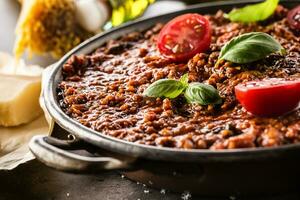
point(184, 36)
point(294, 18)
point(270, 97)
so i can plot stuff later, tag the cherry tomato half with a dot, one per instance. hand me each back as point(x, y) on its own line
point(184, 36)
point(270, 97)
point(294, 18)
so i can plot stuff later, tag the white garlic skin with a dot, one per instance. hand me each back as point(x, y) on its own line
point(92, 14)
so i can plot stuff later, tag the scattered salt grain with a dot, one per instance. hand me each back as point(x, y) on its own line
point(163, 191)
point(186, 195)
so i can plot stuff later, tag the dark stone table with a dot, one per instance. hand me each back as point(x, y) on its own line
point(34, 181)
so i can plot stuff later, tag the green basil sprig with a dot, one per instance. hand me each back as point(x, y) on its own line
point(200, 93)
point(253, 13)
point(167, 87)
point(249, 47)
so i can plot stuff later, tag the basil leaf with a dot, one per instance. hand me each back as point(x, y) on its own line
point(202, 94)
point(253, 13)
point(184, 79)
point(250, 47)
point(165, 88)
point(194, 92)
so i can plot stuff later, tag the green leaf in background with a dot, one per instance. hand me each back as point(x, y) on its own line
point(253, 13)
point(250, 47)
point(202, 94)
point(125, 10)
point(165, 88)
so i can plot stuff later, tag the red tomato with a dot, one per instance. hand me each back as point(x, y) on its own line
point(294, 18)
point(184, 36)
point(270, 97)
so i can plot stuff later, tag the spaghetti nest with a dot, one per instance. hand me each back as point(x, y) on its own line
point(48, 26)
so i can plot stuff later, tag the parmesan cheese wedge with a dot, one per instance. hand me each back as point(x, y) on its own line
point(19, 99)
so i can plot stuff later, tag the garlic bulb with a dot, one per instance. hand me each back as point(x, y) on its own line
point(92, 14)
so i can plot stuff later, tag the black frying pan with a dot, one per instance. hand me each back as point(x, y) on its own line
point(206, 172)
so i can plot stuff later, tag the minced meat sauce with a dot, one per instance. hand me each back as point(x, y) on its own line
point(103, 90)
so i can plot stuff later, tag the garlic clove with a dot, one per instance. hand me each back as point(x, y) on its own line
point(92, 14)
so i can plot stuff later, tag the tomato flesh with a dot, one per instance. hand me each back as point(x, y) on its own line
point(184, 36)
point(270, 97)
point(294, 18)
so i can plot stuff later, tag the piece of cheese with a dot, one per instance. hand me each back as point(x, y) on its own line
point(19, 99)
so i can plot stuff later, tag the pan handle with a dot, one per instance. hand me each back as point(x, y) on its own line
point(53, 153)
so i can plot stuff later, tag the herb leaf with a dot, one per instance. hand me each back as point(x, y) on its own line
point(194, 92)
point(250, 47)
point(165, 88)
point(202, 94)
point(184, 79)
point(253, 13)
